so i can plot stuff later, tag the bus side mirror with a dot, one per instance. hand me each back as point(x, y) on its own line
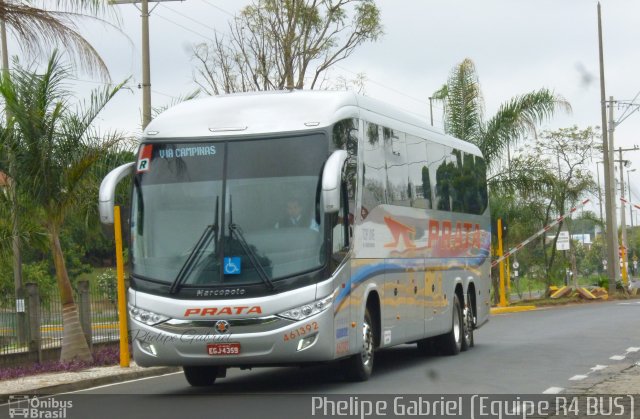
point(108, 191)
point(331, 181)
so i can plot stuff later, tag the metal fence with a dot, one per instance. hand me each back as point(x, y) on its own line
point(97, 308)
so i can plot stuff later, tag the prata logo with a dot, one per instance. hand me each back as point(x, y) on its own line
point(23, 406)
point(222, 326)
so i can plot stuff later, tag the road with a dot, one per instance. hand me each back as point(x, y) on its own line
point(518, 353)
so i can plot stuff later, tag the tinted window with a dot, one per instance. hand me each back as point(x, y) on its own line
point(373, 169)
point(396, 163)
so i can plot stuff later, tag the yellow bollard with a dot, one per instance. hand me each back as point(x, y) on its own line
point(122, 303)
point(503, 300)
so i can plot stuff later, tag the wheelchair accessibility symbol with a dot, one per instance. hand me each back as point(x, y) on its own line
point(232, 266)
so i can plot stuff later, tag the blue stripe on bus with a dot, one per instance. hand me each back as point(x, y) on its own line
point(420, 265)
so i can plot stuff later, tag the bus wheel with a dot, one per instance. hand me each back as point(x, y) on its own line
point(451, 343)
point(467, 325)
point(426, 346)
point(359, 366)
point(202, 376)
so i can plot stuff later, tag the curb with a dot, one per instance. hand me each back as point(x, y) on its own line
point(514, 309)
point(93, 382)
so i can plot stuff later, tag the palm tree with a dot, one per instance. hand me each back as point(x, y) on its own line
point(43, 24)
point(464, 113)
point(54, 147)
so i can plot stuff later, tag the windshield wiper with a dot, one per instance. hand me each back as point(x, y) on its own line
point(234, 229)
point(210, 232)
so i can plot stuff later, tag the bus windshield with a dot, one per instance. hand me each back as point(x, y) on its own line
point(228, 213)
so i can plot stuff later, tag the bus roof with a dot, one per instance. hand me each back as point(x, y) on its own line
point(242, 114)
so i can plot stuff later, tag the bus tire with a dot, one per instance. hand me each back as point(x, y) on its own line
point(451, 343)
point(359, 367)
point(201, 376)
point(467, 325)
point(426, 346)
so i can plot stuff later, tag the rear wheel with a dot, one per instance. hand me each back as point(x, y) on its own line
point(426, 346)
point(359, 366)
point(451, 343)
point(201, 376)
point(467, 325)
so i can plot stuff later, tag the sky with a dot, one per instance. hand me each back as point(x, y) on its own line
point(517, 47)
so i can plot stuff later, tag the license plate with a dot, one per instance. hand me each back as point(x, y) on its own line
point(223, 348)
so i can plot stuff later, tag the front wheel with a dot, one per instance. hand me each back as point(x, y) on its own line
point(359, 366)
point(203, 376)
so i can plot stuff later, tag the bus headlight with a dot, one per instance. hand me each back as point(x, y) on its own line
point(145, 316)
point(307, 310)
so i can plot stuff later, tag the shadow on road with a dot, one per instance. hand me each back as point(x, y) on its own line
point(319, 378)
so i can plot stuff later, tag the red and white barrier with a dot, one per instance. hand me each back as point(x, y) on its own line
point(542, 231)
point(630, 203)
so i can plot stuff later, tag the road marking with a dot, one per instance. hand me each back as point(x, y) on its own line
point(553, 390)
point(618, 357)
point(633, 349)
point(577, 377)
point(123, 382)
point(598, 368)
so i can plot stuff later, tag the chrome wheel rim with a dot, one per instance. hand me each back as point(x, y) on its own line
point(367, 344)
point(467, 323)
point(456, 323)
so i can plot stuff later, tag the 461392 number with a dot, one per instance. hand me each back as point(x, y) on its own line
point(301, 331)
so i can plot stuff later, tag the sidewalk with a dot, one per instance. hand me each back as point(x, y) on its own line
point(61, 382)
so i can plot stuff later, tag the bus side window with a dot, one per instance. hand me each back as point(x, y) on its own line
point(342, 227)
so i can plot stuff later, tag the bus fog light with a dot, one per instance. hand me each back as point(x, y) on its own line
point(148, 348)
point(306, 342)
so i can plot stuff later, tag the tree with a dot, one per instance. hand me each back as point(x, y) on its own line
point(518, 117)
point(561, 157)
point(42, 25)
point(54, 148)
point(284, 44)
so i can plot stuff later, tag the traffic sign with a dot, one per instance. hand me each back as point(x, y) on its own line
point(563, 241)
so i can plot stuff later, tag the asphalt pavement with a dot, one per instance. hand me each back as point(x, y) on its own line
point(579, 349)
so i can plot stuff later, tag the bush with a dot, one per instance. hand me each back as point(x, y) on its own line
point(108, 284)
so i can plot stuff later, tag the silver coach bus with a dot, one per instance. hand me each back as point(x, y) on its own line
point(299, 227)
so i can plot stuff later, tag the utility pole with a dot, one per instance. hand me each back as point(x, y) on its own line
point(146, 71)
point(146, 67)
point(431, 109)
point(612, 231)
point(613, 267)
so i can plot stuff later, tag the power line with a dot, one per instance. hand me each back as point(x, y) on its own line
point(184, 27)
point(219, 8)
point(191, 19)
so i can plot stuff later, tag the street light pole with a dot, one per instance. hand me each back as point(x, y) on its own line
point(599, 192)
point(629, 187)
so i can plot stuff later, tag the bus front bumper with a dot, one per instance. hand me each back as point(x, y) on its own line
point(297, 342)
